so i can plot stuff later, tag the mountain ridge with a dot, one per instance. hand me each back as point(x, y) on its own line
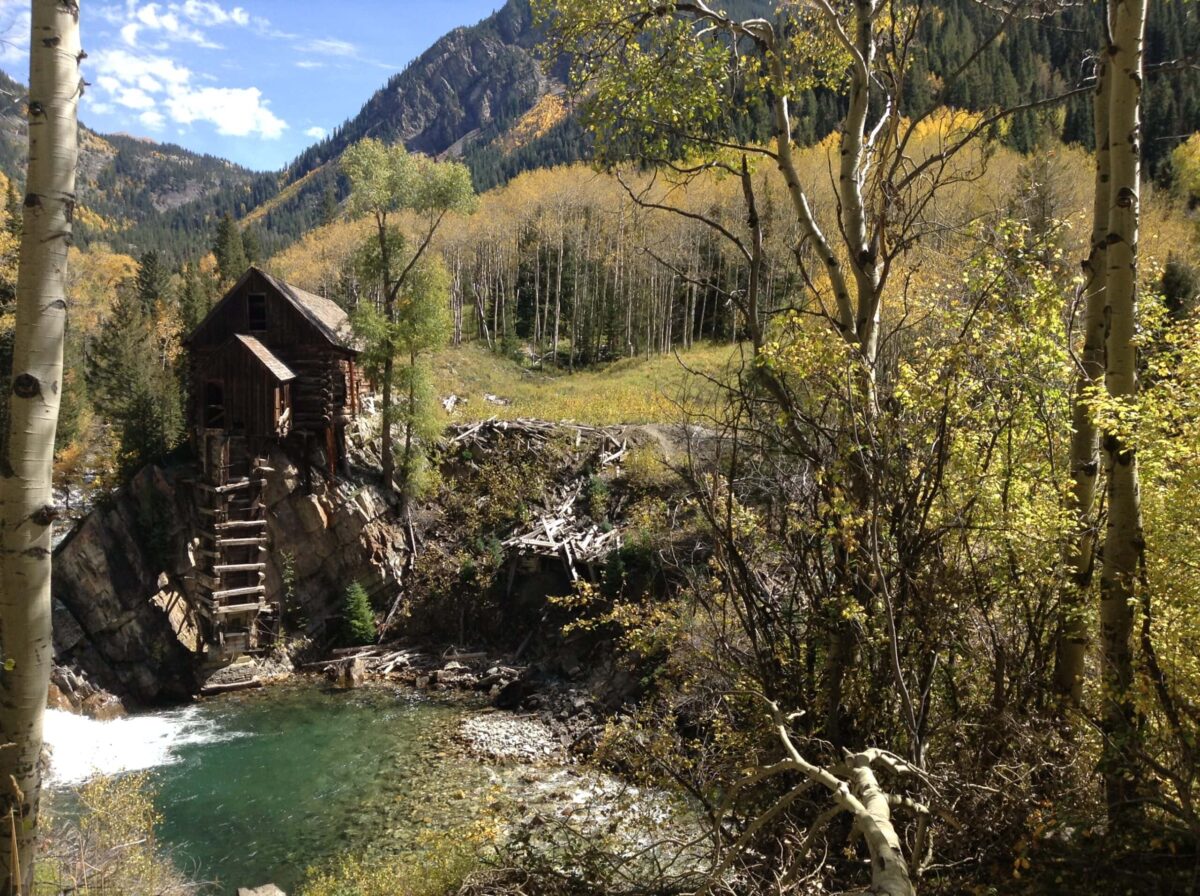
point(481, 93)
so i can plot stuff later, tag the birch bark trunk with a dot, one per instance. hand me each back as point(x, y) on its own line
point(26, 499)
point(1075, 634)
point(1123, 540)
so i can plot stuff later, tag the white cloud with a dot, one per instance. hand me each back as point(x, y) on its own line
point(328, 46)
point(316, 132)
point(204, 13)
point(159, 89)
point(173, 22)
point(153, 119)
point(134, 98)
point(237, 112)
point(336, 48)
point(165, 23)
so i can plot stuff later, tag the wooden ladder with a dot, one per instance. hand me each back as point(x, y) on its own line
point(233, 548)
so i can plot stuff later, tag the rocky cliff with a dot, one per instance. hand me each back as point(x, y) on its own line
point(123, 578)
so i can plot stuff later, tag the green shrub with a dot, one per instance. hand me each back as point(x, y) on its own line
point(358, 616)
point(438, 867)
point(109, 845)
point(597, 493)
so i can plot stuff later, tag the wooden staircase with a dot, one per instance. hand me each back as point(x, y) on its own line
point(232, 576)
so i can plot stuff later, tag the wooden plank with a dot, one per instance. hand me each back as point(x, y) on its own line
point(241, 542)
point(210, 690)
point(241, 524)
point(238, 592)
point(240, 567)
point(240, 608)
point(236, 485)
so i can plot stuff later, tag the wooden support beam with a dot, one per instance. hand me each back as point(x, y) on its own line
point(238, 592)
point(241, 542)
point(236, 485)
point(240, 567)
point(240, 608)
point(241, 524)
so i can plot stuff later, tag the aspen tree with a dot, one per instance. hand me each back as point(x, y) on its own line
point(383, 181)
point(1076, 623)
point(1124, 542)
point(26, 499)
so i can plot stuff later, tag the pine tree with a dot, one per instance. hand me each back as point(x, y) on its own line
point(357, 616)
point(229, 251)
point(252, 245)
point(194, 297)
point(329, 205)
point(151, 280)
point(132, 389)
point(13, 208)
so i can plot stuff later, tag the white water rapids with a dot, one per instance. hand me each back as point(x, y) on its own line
point(81, 748)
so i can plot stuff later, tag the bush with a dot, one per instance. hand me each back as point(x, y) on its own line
point(441, 864)
point(358, 616)
point(109, 846)
point(597, 498)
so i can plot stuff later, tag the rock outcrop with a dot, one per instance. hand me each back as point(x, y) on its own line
point(125, 578)
point(115, 614)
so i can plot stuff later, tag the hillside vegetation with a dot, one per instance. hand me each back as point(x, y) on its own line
point(488, 105)
point(662, 389)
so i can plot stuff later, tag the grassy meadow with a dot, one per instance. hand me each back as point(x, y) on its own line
point(633, 390)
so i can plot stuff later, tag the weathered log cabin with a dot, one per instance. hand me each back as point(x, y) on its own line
point(270, 360)
point(269, 363)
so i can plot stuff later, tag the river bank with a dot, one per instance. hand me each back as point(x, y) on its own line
point(262, 784)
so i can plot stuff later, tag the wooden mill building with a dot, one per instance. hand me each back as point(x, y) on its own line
point(269, 363)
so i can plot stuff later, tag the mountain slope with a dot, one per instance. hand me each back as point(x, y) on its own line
point(479, 94)
point(462, 93)
point(136, 193)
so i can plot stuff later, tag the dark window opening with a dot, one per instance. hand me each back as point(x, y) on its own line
point(214, 405)
point(256, 312)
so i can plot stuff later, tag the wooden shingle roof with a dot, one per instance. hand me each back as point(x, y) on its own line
point(329, 317)
point(274, 366)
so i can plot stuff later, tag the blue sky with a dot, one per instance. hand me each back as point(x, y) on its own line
point(254, 82)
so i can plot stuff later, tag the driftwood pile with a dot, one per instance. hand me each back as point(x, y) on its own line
point(349, 667)
point(377, 659)
point(560, 533)
point(561, 530)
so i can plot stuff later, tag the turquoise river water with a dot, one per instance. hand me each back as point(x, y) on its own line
point(256, 787)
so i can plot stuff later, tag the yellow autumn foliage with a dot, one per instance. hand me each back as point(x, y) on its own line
point(545, 114)
point(1185, 163)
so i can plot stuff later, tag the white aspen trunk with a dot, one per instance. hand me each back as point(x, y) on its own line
point(889, 870)
point(496, 287)
point(1075, 634)
point(869, 805)
point(457, 299)
point(26, 498)
point(1123, 540)
point(558, 287)
point(854, 164)
point(537, 294)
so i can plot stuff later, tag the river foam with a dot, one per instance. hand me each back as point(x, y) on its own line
point(82, 748)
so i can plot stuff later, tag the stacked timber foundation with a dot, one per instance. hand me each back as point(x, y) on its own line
point(239, 615)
